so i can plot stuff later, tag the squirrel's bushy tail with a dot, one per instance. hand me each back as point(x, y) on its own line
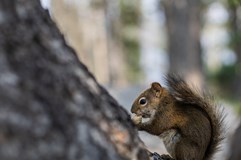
point(184, 94)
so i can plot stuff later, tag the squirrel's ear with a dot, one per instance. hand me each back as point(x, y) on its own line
point(157, 88)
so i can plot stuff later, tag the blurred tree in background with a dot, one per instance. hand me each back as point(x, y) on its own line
point(83, 25)
point(130, 20)
point(183, 21)
point(228, 76)
point(234, 9)
point(108, 36)
point(103, 33)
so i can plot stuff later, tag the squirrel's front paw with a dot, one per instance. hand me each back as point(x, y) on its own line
point(136, 119)
point(156, 156)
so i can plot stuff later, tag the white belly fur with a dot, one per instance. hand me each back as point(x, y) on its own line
point(170, 139)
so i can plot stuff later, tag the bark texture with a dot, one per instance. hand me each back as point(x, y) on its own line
point(51, 107)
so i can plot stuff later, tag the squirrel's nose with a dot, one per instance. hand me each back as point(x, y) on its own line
point(134, 109)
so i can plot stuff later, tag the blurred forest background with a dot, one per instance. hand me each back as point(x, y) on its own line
point(128, 44)
point(136, 42)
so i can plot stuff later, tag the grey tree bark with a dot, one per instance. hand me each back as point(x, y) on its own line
point(183, 28)
point(51, 107)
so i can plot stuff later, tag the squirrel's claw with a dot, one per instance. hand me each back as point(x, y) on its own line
point(156, 156)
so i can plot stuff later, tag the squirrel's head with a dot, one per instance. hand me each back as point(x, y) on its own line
point(148, 101)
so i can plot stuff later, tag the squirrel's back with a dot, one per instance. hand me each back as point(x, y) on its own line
point(185, 95)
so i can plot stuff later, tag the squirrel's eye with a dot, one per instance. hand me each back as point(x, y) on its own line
point(142, 101)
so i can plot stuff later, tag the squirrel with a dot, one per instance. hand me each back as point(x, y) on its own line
point(189, 122)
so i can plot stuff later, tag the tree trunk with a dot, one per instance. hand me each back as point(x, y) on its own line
point(51, 107)
point(115, 46)
point(183, 26)
point(235, 30)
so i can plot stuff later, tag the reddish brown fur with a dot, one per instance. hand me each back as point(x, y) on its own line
point(194, 118)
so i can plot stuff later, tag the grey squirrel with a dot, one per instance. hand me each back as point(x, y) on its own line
point(189, 123)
